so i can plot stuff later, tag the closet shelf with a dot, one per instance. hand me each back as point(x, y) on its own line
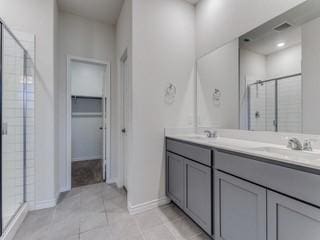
point(86, 114)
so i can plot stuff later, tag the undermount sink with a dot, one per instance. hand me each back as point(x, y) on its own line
point(288, 153)
point(197, 137)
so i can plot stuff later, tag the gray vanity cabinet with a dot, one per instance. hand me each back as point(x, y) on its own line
point(198, 204)
point(189, 181)
point(175, 178)
point(289, 219)
point(240, 211)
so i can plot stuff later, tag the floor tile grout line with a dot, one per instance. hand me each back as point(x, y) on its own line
point(164, 218)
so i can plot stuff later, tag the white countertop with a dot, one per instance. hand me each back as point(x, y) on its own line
point(269, 151)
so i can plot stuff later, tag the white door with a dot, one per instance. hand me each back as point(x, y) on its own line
point(124, 115)
point(104, 133)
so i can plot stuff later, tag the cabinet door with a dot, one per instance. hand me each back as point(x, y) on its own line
point(198, 203)
point(289, 219)
point(240, 209)
point(175, 178)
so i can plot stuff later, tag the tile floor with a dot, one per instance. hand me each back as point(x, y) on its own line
point(99, 212)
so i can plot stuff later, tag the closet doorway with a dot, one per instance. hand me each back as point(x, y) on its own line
point(88, 122)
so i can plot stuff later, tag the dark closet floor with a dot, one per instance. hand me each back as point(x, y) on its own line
point(86, 172)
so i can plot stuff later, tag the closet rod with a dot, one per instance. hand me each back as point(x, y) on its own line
point(85, 97)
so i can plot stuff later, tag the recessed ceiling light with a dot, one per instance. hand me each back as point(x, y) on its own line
point(282, 44)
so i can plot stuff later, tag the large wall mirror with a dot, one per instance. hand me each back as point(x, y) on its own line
point(268, 79)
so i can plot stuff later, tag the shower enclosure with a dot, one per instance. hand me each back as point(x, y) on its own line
point(276, 104)
point(15, 76)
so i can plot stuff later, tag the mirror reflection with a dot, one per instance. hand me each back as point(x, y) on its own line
point(276, 71)
point(268, 79)
point(217, 88)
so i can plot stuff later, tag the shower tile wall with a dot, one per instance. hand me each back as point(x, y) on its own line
point(290, 105)
point(28, 41)
point(12, 141)
point(12, 186)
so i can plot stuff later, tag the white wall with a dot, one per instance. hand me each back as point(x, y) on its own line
point(56, 95)
point(87, 79)
point(311, 73)
point(253, 65)
point(219, 70)
point(163, 51)
point(123, 43)
point(38, 18)
point(86, 138)
point(285, 62)
point(220, 21)
point(85, 38)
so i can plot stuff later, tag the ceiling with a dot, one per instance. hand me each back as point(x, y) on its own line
point(106, 11)
point(268, 44)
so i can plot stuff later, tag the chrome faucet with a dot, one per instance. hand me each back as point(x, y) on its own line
point(295, 144)
point(210, 134)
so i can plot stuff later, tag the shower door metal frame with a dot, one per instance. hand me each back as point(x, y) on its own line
point(276, 80)
point(25, 56)
point(1, 58)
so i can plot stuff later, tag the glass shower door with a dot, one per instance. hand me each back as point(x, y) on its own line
point(276, 105)
point(262, 107)
point(12, 158)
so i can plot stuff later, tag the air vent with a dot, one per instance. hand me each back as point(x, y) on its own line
point(282, 27)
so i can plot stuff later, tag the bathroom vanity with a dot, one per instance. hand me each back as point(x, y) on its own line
point(243, 190)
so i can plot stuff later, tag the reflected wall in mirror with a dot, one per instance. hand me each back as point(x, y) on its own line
point(280, 71)
point(218, 88)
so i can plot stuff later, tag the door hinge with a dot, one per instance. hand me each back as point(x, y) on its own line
point(4, 130)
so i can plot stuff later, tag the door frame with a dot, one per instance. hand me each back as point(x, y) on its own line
point(124, 80)
point(107, 123)
point(1, 75)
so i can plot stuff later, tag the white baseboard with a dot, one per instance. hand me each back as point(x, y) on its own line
point(139, 208)
point(111, 181)
point(16, 222)
point(46, 204)
point(87, 158)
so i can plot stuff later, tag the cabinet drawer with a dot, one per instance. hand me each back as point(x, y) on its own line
point(197, 153)
point(298, 184)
